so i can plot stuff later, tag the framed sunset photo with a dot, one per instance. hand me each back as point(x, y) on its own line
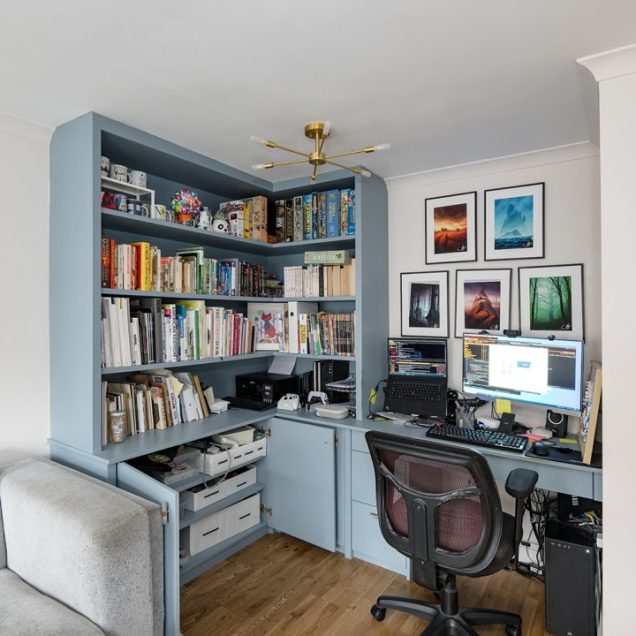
point(451, 233)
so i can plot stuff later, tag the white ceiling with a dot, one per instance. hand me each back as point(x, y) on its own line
point(445, 81)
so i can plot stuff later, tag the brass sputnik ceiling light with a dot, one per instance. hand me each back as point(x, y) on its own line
point(318, 131)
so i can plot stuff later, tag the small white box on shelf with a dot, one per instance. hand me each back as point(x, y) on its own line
point(200, 496)
point(217, 463)
point(221, 525)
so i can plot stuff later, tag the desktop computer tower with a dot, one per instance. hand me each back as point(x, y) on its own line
point(570, 579)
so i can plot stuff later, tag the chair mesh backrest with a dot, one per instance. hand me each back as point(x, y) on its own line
point(436, 502)
point(458, 523)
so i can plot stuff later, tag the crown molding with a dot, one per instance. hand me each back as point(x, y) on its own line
point(25, 128)
point(611, 64)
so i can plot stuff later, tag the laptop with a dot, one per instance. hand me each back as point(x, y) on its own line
point(417, 379)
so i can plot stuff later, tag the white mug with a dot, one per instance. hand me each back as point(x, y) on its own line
point(105, 166)
point(119, 172)
point(138, 178)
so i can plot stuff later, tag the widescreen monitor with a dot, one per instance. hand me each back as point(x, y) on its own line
point(536, 371)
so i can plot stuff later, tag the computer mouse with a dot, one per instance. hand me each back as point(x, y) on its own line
point(540, 449)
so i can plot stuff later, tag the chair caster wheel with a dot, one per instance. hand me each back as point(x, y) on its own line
point(513, 630)
point(378, 613)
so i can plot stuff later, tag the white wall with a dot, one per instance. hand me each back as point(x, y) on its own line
point(24, 290)
point(572, 226)
point(616, 74)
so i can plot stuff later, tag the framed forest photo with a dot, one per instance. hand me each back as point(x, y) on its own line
point(513, 222)
point(451, 232)
point(551, 301)
point(482, 300)
point(424, 303)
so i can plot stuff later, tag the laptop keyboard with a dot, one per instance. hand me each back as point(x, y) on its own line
point(405, 390)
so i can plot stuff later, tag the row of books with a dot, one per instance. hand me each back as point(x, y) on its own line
point(153, 401)
point(327, 334)
point(316, 215)
point(320, 280)
point(146, 331)
point(141, 266)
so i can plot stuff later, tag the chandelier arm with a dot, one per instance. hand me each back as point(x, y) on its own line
point(313, 173)
point(341, 165)
point(275, 164)
point(348, 154)
point(296, 152)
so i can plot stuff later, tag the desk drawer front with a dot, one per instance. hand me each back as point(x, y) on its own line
point(368, 542)
point(362, 478)
point(358, 442)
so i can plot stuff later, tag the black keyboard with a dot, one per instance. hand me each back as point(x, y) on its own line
point(248, 403)
point(491, 439)
point(405, 390)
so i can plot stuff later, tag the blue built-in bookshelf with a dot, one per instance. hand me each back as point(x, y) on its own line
point(78, 222)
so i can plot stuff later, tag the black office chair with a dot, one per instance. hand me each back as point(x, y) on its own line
point(438, 504)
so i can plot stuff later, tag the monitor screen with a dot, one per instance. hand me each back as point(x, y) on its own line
point(417, 357)
point(533, 370)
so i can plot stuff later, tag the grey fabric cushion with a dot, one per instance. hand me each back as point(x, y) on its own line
point(25, 612)
point(3, 552)
point(86, 544)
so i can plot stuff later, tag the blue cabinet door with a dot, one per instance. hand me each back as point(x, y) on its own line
point(300, 481)
point(138, 483)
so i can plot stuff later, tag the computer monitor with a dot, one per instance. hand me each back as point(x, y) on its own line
point(536, 371)
point(417, 357)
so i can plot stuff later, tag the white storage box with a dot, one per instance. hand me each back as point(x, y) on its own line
point(200, 496)
point(243, 435)
point(222, 525)
point(224, 461)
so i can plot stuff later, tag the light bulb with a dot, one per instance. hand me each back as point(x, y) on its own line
point(258, 140)
point(326, 129)
point(381, 147)
point(364, 173)
point(258, 166)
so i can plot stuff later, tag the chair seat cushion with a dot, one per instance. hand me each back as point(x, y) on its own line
point(24, 611)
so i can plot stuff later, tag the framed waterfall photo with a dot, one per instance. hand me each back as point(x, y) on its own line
point(551, 301)
point(482, 301)
point(424, 303)
point(513, 223)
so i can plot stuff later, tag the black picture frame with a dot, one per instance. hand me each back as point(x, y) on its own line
point(407, 280)
point(495, 252)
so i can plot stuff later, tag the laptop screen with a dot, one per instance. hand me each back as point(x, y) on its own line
point(417, 358)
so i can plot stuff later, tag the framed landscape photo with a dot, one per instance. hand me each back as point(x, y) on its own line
point(451, 232)
point(551, 301)
point(514, 222)
point(424, 303)
point(482, 300)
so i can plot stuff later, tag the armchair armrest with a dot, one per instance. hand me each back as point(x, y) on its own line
point(521, 482)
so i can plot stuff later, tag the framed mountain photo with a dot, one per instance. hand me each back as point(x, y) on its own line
point(482, 300)
point(514, 222)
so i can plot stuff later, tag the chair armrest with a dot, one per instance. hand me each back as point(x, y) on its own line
point(521, 482)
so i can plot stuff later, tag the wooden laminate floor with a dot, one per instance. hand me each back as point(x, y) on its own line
point(280, 585)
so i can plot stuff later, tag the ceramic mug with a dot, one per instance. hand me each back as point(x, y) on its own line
point(138, 178)
point(105, 166)
point(119, 172)
point(159, 212)
point(121, 202)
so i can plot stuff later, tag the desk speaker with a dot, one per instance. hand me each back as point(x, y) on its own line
point(557, 423)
